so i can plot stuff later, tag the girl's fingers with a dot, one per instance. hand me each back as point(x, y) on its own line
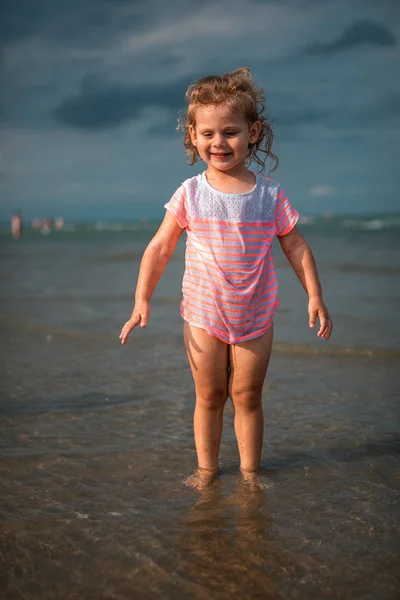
point(313, 318)
point(141, 318)
point(326, 333)
point(325, 323)
point(127, 328)
point(144, 319)
point(322, 324)
point(124, 334)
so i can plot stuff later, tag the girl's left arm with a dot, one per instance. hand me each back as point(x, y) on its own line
point(299, 254)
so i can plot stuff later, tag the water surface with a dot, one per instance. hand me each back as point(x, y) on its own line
point(96, 439)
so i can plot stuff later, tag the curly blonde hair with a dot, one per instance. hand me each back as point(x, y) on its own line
point(240, 92)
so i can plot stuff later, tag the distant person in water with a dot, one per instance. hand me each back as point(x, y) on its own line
point(16, 225)
point(229, 294)
point(58, 223)
point(47, 225)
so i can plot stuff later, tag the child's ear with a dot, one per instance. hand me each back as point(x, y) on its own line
point(255, 131)
point(192, 133)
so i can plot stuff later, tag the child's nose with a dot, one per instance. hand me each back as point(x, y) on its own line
point(219, 140)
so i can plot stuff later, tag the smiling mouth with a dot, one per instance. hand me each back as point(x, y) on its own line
point(220, 154)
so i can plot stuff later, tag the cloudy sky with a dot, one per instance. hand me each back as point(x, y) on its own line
point(90, 93)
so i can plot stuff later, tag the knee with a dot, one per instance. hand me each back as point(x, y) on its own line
point(247, 398)
point(212, 398)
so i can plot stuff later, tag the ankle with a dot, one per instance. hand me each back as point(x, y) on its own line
point(247, 471)
point(207, 470)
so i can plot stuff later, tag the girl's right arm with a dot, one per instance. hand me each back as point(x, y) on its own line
point(154, 261)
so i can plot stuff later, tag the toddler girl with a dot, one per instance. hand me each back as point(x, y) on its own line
point(229, 291)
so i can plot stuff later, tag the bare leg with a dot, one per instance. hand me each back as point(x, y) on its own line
point(208, 358)
point(249, 362)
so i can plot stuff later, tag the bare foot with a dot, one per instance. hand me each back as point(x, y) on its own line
point(254, 481)
point(201, 479)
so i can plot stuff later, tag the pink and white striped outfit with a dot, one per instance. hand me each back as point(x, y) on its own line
point(229, 286)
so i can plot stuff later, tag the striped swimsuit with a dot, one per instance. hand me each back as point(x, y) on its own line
point(229, 287)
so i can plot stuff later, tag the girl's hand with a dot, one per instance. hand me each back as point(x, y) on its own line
point(140, 316)
point(317, 309)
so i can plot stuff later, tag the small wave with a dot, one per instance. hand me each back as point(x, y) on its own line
point(70, 228)
point(116, 226)
point(51, 330)
point(306, 220)
point(337, 350)
point(372, 224)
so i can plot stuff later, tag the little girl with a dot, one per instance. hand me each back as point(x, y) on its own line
point(229, 290)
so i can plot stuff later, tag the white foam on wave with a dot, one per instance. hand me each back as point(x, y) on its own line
point(372, 224)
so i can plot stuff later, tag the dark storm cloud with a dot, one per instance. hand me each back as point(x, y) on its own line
point(101, 105)
point(347, 125)
point(80, 21)
point(106, 105)
point(84, 23)
point(382, 114)
point(360, 33)
point(311, 3)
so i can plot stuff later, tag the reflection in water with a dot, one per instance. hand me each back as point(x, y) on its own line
point(228, 545)
point(122, 525)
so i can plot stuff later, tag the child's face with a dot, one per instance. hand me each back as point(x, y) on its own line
point(222, 136)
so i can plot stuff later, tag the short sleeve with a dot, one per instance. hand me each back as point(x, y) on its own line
point(177, 206)
point(286, 216)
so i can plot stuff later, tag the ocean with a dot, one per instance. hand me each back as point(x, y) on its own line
point(96, 438)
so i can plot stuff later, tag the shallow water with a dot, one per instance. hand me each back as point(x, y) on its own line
point(96, 439)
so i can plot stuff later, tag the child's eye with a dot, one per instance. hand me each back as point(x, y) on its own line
point(230, 132)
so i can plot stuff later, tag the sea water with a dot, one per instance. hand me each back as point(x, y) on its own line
point(96, 438)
